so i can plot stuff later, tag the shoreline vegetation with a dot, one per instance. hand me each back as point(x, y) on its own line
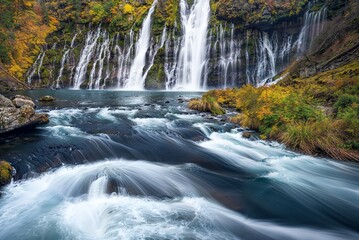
point(318, 115)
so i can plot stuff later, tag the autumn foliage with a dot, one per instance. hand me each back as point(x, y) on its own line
point(27, 26)
point(301, 115)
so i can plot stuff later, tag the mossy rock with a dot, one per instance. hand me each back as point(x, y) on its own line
point(5, 173)
point(47, 98)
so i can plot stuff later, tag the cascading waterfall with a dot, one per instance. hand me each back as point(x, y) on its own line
point(124, 56)
point(63, 60)
point(36, 67)
point(135, 80)
point(270, 58)
point(71, 59)
point(153, 53)
point(192, 57)
point(229, 58)
point(172, 48)
point(267, 52)
point(103, 53)
point(195, 57)
point(313, 24)
point(40, 65)
point(86, 55)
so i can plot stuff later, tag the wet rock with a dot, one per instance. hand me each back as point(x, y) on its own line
point(247, 134)
point(19, 115)
point(6, 172)
point(47, 98)
point(167, 102)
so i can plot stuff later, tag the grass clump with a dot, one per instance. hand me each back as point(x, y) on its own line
point(206, 104)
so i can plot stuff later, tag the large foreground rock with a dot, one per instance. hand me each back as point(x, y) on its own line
point(19, 114)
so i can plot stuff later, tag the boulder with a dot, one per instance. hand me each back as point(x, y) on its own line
point(20, 101)
point(5, 102)
point(27, 111)
point(47, 98)
point(21, 97)
point(19, 115)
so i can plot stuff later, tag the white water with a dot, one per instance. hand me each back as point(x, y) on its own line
point(267, 52)
point(33, 68)
point(135, 80)
point(192, 57)
point(36, 67)
point(172, 46)
point(63, 60)
point(154, 52)
point(124, 56)
point(86, 56)
point(103, 53)
point(188, 60)
point(313, 24)
point(77, 200)
point(229, 58)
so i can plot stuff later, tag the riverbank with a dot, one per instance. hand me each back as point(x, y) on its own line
point(316, 115)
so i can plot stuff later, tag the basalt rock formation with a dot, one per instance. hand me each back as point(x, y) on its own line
point(19, 115)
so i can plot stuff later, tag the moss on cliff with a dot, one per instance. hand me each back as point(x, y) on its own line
point(251, 12)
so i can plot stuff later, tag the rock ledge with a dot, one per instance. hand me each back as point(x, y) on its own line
point(19, 114)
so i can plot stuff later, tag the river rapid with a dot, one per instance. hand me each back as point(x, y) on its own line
point(141, 165)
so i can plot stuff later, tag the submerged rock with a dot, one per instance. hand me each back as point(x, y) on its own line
point(19, 114)
point(247, 134)
point(47, 99)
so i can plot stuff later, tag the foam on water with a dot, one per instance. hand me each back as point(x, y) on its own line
point(78, 202)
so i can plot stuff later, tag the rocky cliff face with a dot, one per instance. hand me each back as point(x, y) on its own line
point(246, 41)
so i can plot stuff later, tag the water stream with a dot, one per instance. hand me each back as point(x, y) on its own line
point(141, 165)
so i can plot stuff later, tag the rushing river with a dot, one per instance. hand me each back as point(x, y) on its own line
point(141, 165)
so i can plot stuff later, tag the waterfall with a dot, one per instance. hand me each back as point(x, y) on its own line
point(36, 67)
point(154, 53)
point(172, 46)
point(63, 60)
point(248, 73)
point(124, 56)
point(229, 57)
point(102, 53)
point(136, 80)
point(313, 24)
point(192, 57)
point(85, 58)
point(267, 57)
point(72, 60)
